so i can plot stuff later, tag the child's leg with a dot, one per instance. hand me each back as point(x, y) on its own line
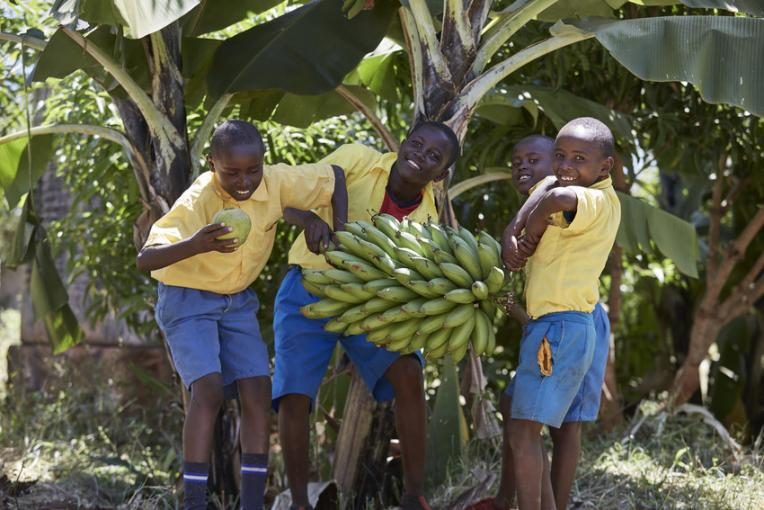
point(294, 435)
point(528, 461)
point(206, 399)
point(567, 446)
point(506, 493)
point(255, 398)
point(405, 375)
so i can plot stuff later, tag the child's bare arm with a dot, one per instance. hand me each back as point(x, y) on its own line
point(553, 201)
point(205, 239)
point(513, 258)
point(339, 199)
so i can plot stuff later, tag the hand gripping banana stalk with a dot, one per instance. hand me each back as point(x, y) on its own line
point(411, 286)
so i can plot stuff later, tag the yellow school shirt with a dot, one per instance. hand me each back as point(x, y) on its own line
point(563, 274)
point(366, 175)
point(282, 186)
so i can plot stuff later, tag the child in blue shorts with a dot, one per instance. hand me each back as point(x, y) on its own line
point(399, 184)
point(205, 307)
point(531, 163)
point(568, 228)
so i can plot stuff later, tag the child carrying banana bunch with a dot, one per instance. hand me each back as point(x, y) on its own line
point(562, 235)
point(205, 306)
point(399, 184)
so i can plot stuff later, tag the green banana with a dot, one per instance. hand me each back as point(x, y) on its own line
point(405, 275)
point(350, 243)
point(491, 347)
point(379, 335)
point(355, 314)
point(431, 324)
point(354, 329)
point(406, 256)
point(316, 276)
point(356, 228)
point(387, 224)
point(324, 308)
point(495, 280)
point(428, 247)
point(422, 288)
point(488, 259)
point(335, 326)
point(468, 237)
point(459, 315)
point(441, 285)
point(427, 268)
point(458, 354)
point(398, 345)
point(436, 306)
point(396, 314)
point(377, 285)
point(397, 294)
point(467, 257)
point(336, 293)
point(364, 271)
point(438, 236)
point(372, 322)
point(417, 230)
point(414, 307)
point(377, 305)
point(480, 290)
point(379, 238)
point(485, 238)
point(370, 250)
point(417, 342)
point(406, 240)
point(340, 276)
point(480, 333)
point(405, 329)
point(489, 307)
point(438, 352)
point(441, 256)
point(316, 290)
point(438, 339)
point(463, 296)
point(461, 334)
point(341, 259)
point(358, 291)
point(456, 274)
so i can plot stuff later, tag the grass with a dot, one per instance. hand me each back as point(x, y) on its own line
point(77, 444)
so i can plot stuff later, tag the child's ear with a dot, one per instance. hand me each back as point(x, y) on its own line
point(210, 162)
point(607, 166)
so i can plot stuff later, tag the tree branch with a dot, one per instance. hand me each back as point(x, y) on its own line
point(28, 41)
point(480, 86)
point(203, 134)
point(416, 60)
point(715, 222)
point(429, 38)
point(157, 122)
point(507, 25)
point(473, 182)
point(456, 15)
point(372, 117)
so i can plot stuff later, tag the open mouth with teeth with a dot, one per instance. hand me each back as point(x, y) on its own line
point(413, 165)
point(567, 178)
point(243, 192)
point(523, 178)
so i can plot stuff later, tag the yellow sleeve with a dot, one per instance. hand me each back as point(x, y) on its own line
point(354, 159)
point(181, 222)
point(305, 186)
point(591, 203)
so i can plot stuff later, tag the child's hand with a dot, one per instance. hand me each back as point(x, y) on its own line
point(526, 245)
point(318, 235)
point(206, 239)
point(513, 259)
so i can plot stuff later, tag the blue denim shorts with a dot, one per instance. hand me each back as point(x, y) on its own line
point(212, 333)
point(547, 398)
point(304, 348)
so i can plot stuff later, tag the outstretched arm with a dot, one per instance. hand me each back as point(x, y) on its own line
point(205, 239)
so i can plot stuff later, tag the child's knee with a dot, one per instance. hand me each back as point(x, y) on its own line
point(207, 392)
point(406, 375)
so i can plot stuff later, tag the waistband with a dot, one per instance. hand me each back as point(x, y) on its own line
point(581, 317)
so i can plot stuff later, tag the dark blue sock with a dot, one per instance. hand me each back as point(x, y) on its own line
point(254, 471)
point(195, 485)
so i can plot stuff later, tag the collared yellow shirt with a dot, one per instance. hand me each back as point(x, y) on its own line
point(303, 187)
point(563, 274)
point(366, 175)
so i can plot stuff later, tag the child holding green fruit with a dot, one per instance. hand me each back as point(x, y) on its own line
point(399, 184)
point(205, 307)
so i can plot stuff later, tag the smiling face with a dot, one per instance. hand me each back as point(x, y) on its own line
point(239, 169)
point(424, 156)
point(531, 162)
point(578, 159)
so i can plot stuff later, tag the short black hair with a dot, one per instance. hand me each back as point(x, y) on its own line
point(453, 140)
point(531, 138)
point(597, 131)
point(234, 132)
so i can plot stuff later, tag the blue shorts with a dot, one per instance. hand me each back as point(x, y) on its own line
point(547, 399)
point(212, 333)
point(304, 349)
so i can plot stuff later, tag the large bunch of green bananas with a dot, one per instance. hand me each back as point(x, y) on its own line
point(410, 286)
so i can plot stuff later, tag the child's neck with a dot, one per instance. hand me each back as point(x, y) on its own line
point(401, 192)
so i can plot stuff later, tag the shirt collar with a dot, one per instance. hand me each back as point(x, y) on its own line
point(260, 194)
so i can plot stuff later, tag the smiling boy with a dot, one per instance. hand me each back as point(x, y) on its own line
point(205, 307)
